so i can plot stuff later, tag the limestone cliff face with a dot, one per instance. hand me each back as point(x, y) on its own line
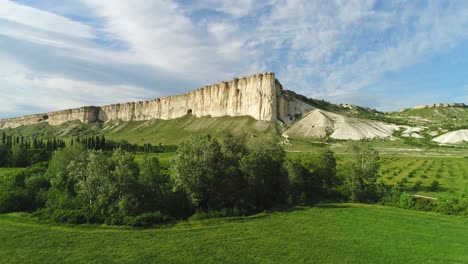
point(260, 96)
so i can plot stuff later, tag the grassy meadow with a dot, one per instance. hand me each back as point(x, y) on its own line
point(328, 233)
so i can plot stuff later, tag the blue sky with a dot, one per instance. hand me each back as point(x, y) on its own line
point(382, 54)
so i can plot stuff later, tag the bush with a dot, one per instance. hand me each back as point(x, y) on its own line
point(453, 203)
point(423, 205)
point(24, 190)
point(406, 200)
point(392, 198)
point(146, 219)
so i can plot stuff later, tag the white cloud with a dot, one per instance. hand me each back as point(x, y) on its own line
point(42, 20)
point(325, 49)
point(43, 92)
point(160, 33)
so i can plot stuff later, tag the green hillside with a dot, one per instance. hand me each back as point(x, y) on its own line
point(153, 131)
point(450, 118)
point(330, 233)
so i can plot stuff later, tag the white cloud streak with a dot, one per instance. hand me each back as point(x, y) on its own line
point(43, 20)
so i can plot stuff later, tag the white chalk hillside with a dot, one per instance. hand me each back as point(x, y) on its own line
point(457, 136)
point(320, 123)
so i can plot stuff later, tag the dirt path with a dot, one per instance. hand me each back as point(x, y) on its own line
point(424, 197)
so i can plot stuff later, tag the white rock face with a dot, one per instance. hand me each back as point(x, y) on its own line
point(320, 123)
point(289, 108)
point(453, 137)
point(259, 95)
point(413, 132)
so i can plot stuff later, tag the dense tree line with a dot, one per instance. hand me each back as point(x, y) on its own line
point(236, 176)
point(18, 151)
point(101, 143)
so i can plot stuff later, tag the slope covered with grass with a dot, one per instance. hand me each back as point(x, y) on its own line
point(333, 233)
point(450, 118)
point(153, 131)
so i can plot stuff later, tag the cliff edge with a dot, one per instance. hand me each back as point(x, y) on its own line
point(259, 95)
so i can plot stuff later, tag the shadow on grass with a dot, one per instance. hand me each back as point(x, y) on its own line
point(333, 205)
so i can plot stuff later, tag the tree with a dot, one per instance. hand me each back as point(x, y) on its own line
point(233, 185)
point(360, 182)
point(197, 167)
point(59, 170)
point(19, 156)
point(311, 177)
point(263, 170)
point(326, 169)
point(154, 185)
point(4, 155)
point(124, 181)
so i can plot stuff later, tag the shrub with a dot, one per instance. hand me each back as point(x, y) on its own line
point(392, 198)
point(406, 200)
point(146, 219)
point(423, 205)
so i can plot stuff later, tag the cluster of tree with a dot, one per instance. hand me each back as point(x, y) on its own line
point(207, 177)
point(235, 177)
point(313, 178)
point(89, 186)
point(25, 190)
point(23, 152)
point(101, 143)
point(232, 175)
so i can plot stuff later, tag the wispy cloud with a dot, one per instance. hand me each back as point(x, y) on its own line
point(338, 50)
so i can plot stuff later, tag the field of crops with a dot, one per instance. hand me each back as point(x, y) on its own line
point(416, 174)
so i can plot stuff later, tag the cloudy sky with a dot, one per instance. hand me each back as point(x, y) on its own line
point(384, 54)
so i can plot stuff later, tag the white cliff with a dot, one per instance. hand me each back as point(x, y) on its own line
point(260, 96)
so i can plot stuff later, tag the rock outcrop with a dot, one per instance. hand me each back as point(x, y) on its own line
point(260, 96)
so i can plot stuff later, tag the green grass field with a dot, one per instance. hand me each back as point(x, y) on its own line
point(434, 117)
point(333, 233)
